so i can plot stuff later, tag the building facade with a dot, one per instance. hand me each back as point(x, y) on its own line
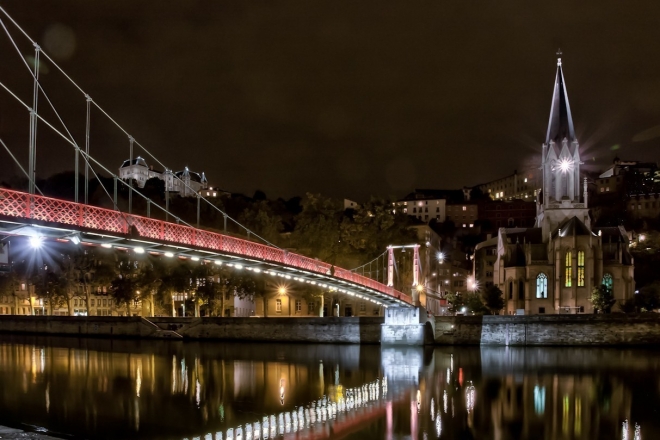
point(186, 183)
point(524, 186)
point(554, 266)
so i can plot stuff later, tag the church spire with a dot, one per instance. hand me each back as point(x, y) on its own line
point(560, 125)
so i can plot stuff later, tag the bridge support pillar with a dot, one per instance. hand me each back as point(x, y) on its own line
point(406, 326)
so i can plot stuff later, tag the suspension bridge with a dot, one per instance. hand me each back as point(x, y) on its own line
point(42, 218)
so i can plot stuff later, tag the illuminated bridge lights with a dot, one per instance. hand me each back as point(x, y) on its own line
point(328, 407)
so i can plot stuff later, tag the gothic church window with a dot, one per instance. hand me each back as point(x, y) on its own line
point(521, 289)
point(541, 286)
point(569, 269)
point(580, 268)
point(607, 280)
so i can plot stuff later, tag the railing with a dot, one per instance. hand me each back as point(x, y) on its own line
point(23, 205)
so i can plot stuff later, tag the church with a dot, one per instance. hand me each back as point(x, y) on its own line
point(554, 266)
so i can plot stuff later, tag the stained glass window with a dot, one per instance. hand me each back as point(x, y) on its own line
point(569, 269)
point(541, 286)
point(607, 280)
point(580, 268)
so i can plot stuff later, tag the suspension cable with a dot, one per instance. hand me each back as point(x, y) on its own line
point(126, 132)
point(20, 166)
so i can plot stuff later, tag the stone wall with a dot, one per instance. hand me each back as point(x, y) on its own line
point(103, 326)
point(614, 329)
point(313, 330)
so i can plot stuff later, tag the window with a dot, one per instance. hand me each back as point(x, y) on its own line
point(363, 307)
point(568, 264)
point(278, 305)
point(541, 286)
point(298, 305)
point(510, 289)
point(92, 302)
point(458, 283)
point(521, 289)
point(580, 273)
point(310, 307)
point(464, 208)
point(607, 280)
point(541, 310)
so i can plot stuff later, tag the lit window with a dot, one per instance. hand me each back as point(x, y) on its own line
point(471, 225)
point(464, 208)
point(541, 286)
point(278, 305)
point(607, 189)
point(569, 268)
point(580, 269)
point(215, 194)
point(464, 225)
point(298, 305)
point(525, 179)
point(607, 280)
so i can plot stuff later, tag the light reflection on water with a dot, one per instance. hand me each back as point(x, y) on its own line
point(174, 390)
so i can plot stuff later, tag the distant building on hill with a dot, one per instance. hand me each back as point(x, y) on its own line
point(186, 183)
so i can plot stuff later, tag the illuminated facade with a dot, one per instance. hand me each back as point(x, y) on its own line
point(554, 266)
point(186, 183)
point(524, 186)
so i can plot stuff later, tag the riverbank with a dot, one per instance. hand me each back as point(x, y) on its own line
point(536, 330)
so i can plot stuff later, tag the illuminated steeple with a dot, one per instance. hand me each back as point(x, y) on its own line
point(560, 126)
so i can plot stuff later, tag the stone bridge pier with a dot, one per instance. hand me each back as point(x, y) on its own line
point(407, 326)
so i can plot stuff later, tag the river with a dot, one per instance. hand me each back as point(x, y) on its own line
point(124, 389)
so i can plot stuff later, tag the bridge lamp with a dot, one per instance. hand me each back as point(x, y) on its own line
point(169, 254)
point(218, 262)
point(106, 245)
point(139, 250)
point(238, 266)
point(75, 239)
point(194, 258)
point(35, 242)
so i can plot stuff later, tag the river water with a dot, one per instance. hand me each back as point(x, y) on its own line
point(119, 389)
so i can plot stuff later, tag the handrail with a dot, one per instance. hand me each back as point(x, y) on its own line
point(29, 206)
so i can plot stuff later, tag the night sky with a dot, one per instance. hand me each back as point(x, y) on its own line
point(346, 98)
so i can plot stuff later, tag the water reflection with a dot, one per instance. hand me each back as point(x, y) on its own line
point(173, 390)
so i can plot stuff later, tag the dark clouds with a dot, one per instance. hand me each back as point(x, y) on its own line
point(346, 98)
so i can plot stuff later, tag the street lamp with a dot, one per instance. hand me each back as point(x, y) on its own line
point(441, 257)
point(35, 242)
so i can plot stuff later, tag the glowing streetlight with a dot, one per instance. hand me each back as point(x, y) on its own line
point(441, 257)
point(169, 254)
point(281, 290)
point(419, 288)
point(35, 242)
point(139, 250)
point(642, 237)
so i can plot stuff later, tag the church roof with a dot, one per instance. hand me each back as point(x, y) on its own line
point(560, 125)
point(137, 161)
point(572, 226)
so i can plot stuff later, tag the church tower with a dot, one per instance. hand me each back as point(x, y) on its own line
point(561, 198)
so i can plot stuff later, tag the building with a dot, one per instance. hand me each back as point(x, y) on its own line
point(463, 215)
point(523, 186)
point(644, 206)
point(186, 183)
point(429, 204)
point(507, 214)
point(629, 177)
point(553, 266)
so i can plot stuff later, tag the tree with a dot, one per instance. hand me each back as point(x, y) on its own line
point(69, 280)
point(648, 298)
point(493, 299)
point(124, 287)
point(602, 298)
point(47, 286)
point(456, 302)
point(474, 304)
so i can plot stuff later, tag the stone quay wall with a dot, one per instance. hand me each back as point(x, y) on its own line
point(540, 330)
point(310, 330)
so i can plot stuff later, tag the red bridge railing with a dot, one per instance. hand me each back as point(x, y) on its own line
point(23, 205)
